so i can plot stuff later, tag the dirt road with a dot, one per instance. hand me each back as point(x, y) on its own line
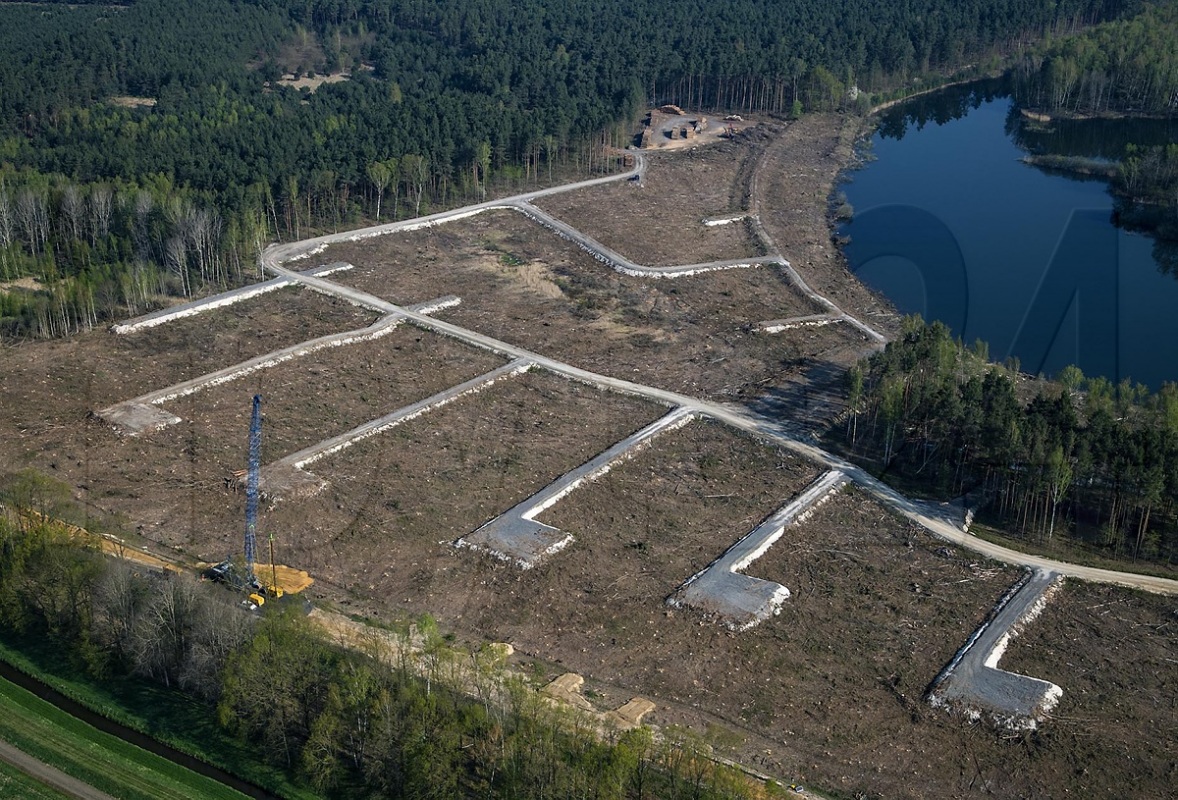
point(50, 776)
point(973, 677)
point(929, 516)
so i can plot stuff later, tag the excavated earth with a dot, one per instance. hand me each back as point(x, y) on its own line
point(829, 692)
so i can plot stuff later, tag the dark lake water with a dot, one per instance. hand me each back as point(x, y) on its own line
point(951, 224)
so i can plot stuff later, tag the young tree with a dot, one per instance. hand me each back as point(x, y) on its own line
point(379, 174)
point(73, 211)
point(176, 257)
point(291, 192)
point(415, 173)
point(101, 209)
point(33, 214)
point(892, 407)
point(482, 168)
point(7, 231)
point(1059, 480)
point(854, 402)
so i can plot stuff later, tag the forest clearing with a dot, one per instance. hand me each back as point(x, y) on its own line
point(830, 689)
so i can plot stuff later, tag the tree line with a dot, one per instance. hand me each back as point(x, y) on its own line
point(446, 103)
point(73, 255)
point(421, 720)
point(1080, 459)
point(1127, 65)
point(1147, 180)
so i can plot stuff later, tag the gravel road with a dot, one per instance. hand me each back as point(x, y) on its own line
point(930, 516)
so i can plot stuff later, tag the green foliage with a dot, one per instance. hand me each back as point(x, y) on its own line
point(16, 784)
point(1149, 175)
point(1097, 462)
point(45, 579)
point(28, 490)
point(164, 714)
point(146, 154)
point(104, 761)
point(410, 718)
point(1123, 65)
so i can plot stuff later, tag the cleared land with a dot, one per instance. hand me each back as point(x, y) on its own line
point(661, 221)
point(383, 529)
point(830, 691)
point(332, 391)
point(192, 346)
point(1115, 731)
point(797, 170)
point(524, 285)
point(156, 483)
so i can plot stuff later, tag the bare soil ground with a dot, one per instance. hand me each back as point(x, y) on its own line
point(127, 365)
point(660, 222)
point(1115, 731)
point(799, 166)
point(309, 399)
point(50, 389)
point(383, 530)
point(521, 283)
point(830, 691)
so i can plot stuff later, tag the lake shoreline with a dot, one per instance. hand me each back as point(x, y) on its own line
point(1000, 217)
point(1042, 115)
point(1072, 165)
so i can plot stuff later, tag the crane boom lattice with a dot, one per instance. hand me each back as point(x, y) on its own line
point(251, 488)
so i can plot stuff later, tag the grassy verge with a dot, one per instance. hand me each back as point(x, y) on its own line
point(165, 715)
point(106, 762)
point(16, 784)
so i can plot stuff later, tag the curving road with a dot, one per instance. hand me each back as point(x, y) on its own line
point(932, 517)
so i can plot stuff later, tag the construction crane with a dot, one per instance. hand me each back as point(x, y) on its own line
point(225, 571)
point(251, 491)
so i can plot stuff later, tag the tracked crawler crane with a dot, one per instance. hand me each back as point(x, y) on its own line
point(251, 512)
point(225, 571)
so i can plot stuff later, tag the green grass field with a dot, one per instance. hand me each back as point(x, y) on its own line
point(99, 759)
point(19, 786)
point(163, 714)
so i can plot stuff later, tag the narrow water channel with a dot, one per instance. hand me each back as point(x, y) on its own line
point(75, 709)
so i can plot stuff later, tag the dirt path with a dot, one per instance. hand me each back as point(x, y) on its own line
point(973, 678)
point(50, 776)
point(929, 516)
point(792, 182)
